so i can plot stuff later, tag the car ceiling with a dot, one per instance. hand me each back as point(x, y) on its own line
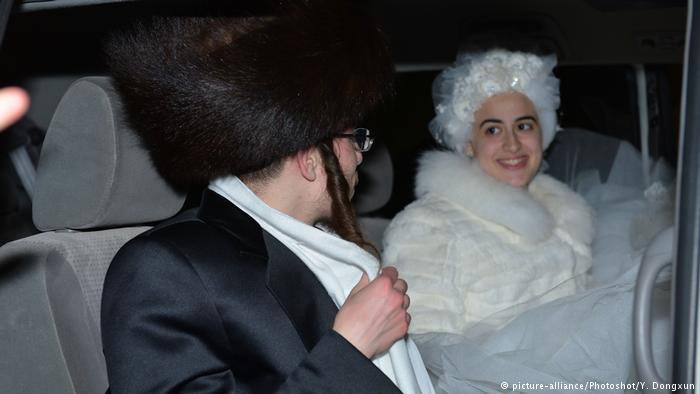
point(426, 34)
point(582, 32)
point(38, 5)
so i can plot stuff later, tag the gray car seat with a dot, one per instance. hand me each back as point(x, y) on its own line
point(576, 150)
point(95, 189)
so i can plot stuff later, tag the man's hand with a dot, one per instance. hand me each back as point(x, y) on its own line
point(374, 316)
point(14, 102)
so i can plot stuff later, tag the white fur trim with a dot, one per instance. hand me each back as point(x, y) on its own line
point(572, 212)
point(530, 212)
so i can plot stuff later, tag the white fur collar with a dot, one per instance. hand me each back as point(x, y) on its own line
point(532, 213)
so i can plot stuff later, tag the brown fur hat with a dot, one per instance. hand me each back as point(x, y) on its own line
point(214, 96)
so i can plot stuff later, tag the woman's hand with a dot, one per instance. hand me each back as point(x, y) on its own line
point(374, 315)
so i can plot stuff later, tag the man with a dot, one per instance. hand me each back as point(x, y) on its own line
point(254, 295)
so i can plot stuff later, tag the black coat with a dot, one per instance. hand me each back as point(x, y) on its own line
point(216, 304)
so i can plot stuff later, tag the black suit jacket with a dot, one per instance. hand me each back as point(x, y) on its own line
point(216, 304)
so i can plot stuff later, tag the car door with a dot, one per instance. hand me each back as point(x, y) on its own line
point(687, 265)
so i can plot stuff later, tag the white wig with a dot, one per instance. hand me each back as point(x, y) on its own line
point(459, 91)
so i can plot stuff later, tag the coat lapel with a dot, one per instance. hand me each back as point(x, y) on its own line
point(300, 294)
point(294, 286)
point(219, 212)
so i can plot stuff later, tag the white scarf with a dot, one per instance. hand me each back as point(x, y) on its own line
point(338, 265)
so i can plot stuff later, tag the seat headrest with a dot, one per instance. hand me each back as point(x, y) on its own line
point(376, 180)
point(93, 171)
point(577, 150)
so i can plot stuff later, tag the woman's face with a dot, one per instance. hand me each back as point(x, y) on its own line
point(506, 139)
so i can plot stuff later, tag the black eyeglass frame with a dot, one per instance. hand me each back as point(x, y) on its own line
point(363, 138)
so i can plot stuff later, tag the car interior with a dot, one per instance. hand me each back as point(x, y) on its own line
point(77, 184)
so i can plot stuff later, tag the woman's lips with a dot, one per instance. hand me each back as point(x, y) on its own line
point(515, 163)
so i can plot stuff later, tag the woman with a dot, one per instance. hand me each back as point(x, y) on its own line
point(489, 235)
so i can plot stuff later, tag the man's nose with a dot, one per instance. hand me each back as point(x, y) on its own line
point(358, 156)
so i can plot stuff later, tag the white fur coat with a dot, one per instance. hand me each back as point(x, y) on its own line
point(476, 252)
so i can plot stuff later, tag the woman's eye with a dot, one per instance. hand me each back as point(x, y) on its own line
point(525, 126)
point(492, 130)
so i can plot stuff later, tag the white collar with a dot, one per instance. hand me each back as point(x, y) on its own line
point(531, 212)
point(309, 243)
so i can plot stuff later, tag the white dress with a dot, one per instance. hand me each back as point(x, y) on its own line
point(580, 339)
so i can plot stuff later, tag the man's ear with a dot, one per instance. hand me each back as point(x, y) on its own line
point(309, 163)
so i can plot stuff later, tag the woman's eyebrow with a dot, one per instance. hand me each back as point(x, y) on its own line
point(490, 121)
point(526, 117)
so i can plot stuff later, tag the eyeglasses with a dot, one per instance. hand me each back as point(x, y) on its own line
point(363, 140)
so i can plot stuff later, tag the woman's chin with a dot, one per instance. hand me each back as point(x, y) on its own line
point(515, 179)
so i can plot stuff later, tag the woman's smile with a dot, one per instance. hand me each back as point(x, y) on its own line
point(515, 163)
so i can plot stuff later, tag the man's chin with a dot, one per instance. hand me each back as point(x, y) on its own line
point(352, 186)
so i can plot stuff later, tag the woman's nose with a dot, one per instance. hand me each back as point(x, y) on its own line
point(511, 142)
point(358, 156)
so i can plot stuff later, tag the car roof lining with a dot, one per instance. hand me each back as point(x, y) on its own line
point(39, 5)
point(426, 34)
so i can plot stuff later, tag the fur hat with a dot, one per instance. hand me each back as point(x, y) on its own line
point(459, 91)
point(216, 96)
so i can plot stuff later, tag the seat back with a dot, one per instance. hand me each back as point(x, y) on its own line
point(575, 151)
point(95, 190)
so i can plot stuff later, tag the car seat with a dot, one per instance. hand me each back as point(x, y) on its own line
point(577, 150)
point(95, 189)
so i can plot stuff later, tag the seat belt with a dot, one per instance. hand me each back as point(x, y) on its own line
point(20, 157)
point(5, 10)
point(24, 167)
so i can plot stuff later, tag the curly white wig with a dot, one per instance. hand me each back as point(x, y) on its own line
point(459, 91)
